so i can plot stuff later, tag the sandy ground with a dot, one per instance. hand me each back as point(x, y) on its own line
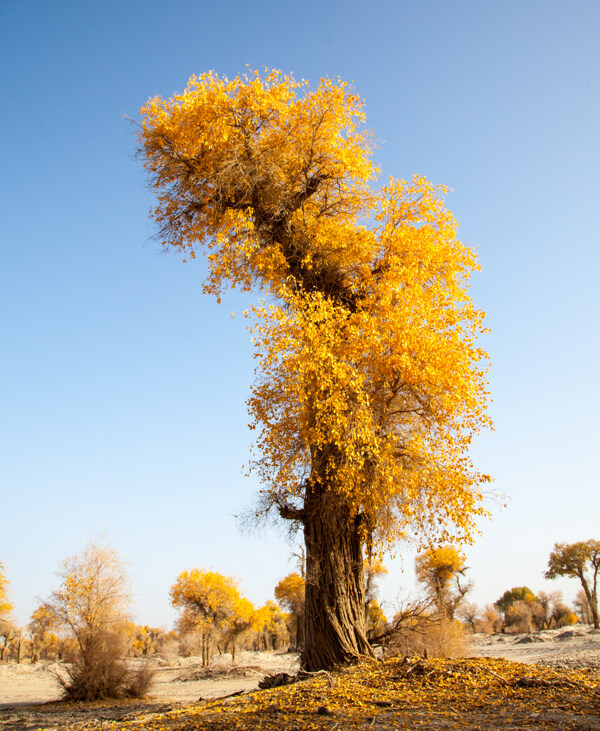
point(184, 681)
point(578, 646)
point(29, 694)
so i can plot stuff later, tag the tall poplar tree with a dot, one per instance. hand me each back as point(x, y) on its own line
point(370, 383)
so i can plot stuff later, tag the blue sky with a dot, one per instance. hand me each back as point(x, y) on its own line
point(123, 387)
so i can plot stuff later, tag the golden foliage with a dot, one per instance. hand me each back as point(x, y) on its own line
point(400, 693)
point(376, 619)
point(516, 594)
point(5, 605)
point(42, 629)
point(440, 571)
point(289, 593)
point(369, 376)
point(579, 560)
point(373, 569)
point(437, 566)
point(210, 600)
point(270, 625)
point(94, 592)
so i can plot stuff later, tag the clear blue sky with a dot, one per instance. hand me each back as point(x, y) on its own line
point(123, 387)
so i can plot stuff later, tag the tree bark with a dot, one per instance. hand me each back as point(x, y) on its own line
point(335, 627)
point(592, 600)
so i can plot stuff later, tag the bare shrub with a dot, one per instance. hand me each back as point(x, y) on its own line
point(419, 629)
point(470, 614)
point(140, 680)
point(168, 648)
point(440, 637)
point(100, 673)
point(490, 621)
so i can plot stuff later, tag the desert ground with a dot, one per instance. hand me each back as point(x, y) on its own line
point(29, 694)
point(573, 647)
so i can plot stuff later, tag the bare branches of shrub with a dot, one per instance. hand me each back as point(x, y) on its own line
point(420, 628)
point(101, 672)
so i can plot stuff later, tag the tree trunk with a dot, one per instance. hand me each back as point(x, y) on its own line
point(592, 601)
point(335, 627)
point(205, 650)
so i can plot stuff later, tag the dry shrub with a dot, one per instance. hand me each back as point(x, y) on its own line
point(519, 617)
point(140, 680)
point(168, 649)
point(490, 621)
point(98, 672)
point(427, 635)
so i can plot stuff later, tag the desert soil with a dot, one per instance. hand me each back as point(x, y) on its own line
point(29, 694)
point(575, 647)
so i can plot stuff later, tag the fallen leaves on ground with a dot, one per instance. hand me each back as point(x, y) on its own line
point(409, 693)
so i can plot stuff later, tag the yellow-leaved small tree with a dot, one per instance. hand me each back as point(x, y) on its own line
point(211, 604)
point(580, 560)
point(441, 572)
point(269, 624)
point(290, 594)
point(43, 628)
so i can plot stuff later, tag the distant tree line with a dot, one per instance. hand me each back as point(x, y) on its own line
point(86, 621)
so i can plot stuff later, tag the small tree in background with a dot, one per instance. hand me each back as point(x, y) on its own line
point(7, 626)
point(470, 614)
point(238, 626)
point(289, 593)
point(143, 640)
point(269, 624)
point(212, 606)
point(440, 571)
point(491, 621)
point(581, 561)
point(374, 568)
point(541, 610)
point(519, 616)
point(43, 628)
point(376, 619)
point(8, 632)
point(91, 605)
point(516, 594)
point(560, 614)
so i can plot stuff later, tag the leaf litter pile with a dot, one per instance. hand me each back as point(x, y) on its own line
point(409, 693)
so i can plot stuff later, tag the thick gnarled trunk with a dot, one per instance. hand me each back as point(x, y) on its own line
point(335, 595)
